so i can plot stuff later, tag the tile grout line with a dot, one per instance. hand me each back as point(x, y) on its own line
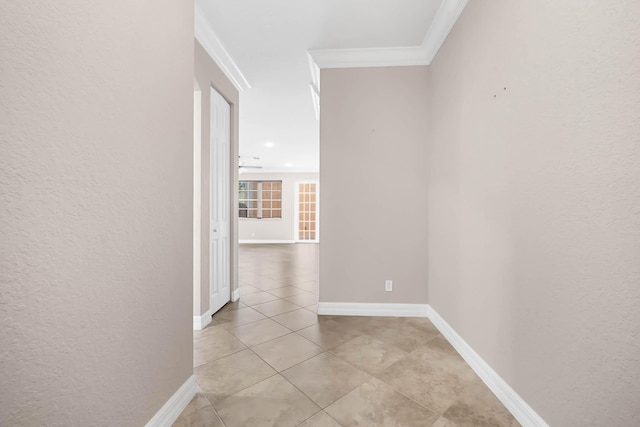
point(384, 382)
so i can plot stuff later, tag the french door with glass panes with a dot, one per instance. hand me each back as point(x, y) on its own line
point(307, 208)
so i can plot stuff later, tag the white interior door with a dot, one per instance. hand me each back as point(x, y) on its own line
point(220, 224)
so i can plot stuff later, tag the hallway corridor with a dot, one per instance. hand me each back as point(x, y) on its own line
point(269, 360)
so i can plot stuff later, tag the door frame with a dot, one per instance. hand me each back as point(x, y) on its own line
point(201, 308)
point(197, 203)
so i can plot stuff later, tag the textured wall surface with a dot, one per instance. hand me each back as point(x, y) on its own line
point(534, 208)
point(277, 229)
point(95, 210)
point(209, 75)
point(373, 175)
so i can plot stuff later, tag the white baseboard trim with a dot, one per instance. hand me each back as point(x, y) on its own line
point(509, 398)
point(235, 295)
point(172, 409)
point(201, 322)
point(372, 309)
point(264, 242)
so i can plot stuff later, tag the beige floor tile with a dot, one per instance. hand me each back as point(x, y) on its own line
point(242, 316)
point(231, 306)
point(349, 323)
point(327, 335)
point(199, 413)
point(211, 328)
point(198, 402)
point(294, 277)
point(321, 419)
point(443, 422)
point(397, 333)
point(286, 291)
point(423, 382)
point(369, 354)
point(376, 404)
point(272, 402)
point(477, 406)
point(325, 378)
point(395, 372)
point(214, 346)
point(286, 351)
point(309, 286)
point(443, 356)
point(303, 300)
point(258, 298)
point(421, 323)
point(223, 377)
point(276, 307)
point(266, 284)
point(297, 319)
point(249, 278)
point(248, 290)
point(259, 332)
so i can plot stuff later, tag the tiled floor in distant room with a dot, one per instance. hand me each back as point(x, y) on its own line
point(269, 360)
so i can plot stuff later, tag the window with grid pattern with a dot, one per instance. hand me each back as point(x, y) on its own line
point(307, 209)
point(260, 199)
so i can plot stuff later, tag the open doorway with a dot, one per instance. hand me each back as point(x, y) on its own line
point(278, 256)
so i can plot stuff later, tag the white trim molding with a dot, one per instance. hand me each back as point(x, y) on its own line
point(201, 322)
point(211, 43)
point(372, 309)
point(368, 57)
point(441, 26)
point(442, 23)
point(264, 242)
point(172, 409)
point(235, 295)
point(314, 85)
point(509, 398)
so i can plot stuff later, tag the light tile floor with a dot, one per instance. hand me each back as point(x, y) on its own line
point(269, 360)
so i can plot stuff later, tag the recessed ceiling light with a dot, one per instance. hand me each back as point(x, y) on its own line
point(288, 165)
point(269, 144)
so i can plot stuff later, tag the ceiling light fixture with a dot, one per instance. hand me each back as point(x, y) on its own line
point(269, 144)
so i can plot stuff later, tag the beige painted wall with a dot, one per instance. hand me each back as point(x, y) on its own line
point(534, 244)
point(373, 172)
point(96, 172)
point(208, 75)
point(274, 229)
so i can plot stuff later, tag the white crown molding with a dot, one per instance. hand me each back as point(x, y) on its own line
point(211, 43)
point(509, 398)
point(372, 309)
point(201, 322)
point(172, 409)
point(369, 57)
point(442, 23)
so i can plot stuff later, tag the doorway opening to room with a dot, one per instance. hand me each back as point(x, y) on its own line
point(278, 254)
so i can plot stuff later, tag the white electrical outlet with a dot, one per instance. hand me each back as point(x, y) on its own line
point(388, 285)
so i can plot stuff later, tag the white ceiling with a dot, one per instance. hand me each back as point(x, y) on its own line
point(267, 44)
